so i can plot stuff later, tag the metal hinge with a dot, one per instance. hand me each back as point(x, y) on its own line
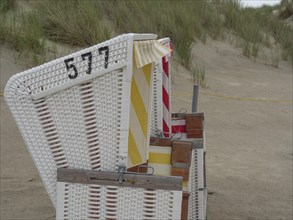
point(122, 170)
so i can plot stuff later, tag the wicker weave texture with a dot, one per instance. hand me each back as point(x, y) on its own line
point(76, 123)
point(54, 75)
point(81, 201)
point(196, 186)
point(157, 109)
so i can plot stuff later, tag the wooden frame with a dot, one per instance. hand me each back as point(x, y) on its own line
point(138, 180)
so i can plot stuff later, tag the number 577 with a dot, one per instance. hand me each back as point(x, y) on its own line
point(88, 57)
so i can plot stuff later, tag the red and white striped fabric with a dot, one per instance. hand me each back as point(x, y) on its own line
point(178, 126)
point(166, 89)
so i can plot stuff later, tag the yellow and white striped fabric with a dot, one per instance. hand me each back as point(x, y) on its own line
point(139, 115)
point(160, 160)
point(149, 51)
point(145, 54)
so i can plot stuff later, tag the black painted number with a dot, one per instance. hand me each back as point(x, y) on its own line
point(106, 49)
point(89, 56)
point(71, 66)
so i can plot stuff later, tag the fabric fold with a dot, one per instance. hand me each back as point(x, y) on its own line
point(149, 51)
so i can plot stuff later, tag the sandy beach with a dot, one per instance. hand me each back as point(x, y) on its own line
point(248, 115)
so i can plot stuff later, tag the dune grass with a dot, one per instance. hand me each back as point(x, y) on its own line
point(256, 26)
point(24, 34)
point(6, 5)
point(85, 22)
point(73, 22)
point(197, 73)
point(20, 30)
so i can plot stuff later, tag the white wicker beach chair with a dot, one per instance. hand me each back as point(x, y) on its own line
point(190, 127)
point(173, 157)
point(100, 195)
point(88, 110)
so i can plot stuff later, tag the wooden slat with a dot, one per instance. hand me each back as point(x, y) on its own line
point(181, 152)
point(111, 179)
point(184, 172)
point(194, 125)
point(181, 155)
point(194, 133)
point(184, 207)
point(142, 168)
point(162, 142)
point(194, 121)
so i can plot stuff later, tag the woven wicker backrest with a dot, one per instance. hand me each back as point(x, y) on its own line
point(75, 112)
point(99, 195)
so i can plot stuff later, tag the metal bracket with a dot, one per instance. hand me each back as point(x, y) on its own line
point(122, 170)
point(180, 165)
point(179, 115)
point(197, 144)
point(128, 179)
point(122, 159)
